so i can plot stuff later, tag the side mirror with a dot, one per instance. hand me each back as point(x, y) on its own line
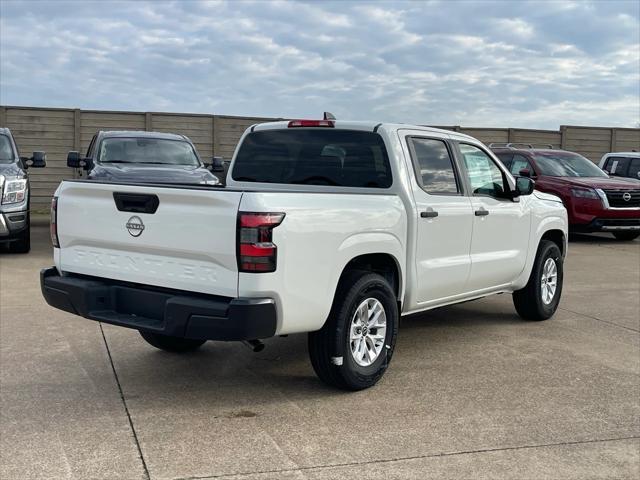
point(73, 159)
point(217, 164)
point(525, 172)
point(39, 160)
point(524, 186)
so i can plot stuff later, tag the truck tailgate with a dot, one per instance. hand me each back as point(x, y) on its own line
point(187, 243)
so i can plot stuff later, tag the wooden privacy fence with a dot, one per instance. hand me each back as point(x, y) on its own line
point(58, 130)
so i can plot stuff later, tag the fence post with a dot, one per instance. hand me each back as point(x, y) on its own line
point(148, 122)
point(77, 121)
point(77, 139)
point(563, 137)
point(3, 116)
point(216, 136)
point(614, 132)
point(509, 135)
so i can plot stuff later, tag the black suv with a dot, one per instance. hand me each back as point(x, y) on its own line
point(15, 228)
point(148, 157)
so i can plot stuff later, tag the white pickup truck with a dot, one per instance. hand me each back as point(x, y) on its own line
point(329, 227)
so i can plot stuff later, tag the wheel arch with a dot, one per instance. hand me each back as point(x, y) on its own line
point(552, 228)
point(556, 236)
point(382, 263)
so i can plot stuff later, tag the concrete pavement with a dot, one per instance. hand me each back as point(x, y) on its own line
point(473, 392)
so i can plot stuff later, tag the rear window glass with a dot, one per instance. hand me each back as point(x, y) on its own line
point(344, 158)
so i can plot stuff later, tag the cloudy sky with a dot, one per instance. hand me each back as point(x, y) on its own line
point(504, 63)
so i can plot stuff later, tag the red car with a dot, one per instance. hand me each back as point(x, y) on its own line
point(594, 201)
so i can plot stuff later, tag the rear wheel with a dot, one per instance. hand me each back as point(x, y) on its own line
point(171, 344)
point(626, 236)
point(539, 299)
point(23, 243)
point(354, 347)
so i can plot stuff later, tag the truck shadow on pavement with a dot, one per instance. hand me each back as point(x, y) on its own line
point(220, 372)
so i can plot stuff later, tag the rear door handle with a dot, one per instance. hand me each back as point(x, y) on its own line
point(481, 212)
point(429, 213)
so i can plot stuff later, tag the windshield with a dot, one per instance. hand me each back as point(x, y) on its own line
point(6, 150)
point(147, 151)
point(566, 164)
point(314, 156)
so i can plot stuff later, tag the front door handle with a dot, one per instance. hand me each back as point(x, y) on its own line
point(481, 212)
point(429, 213)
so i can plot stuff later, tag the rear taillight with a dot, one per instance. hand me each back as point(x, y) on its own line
point(311, 123)
point(54, 222)
point(256, 251)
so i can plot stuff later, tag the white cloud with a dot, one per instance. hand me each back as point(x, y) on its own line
point(516, 26)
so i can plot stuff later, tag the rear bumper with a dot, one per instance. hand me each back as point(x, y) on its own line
point(168, 312)
point(608, 225)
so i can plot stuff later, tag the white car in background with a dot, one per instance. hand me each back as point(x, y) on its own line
point(621, 164)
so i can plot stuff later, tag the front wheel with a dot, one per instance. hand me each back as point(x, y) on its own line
point(626, 236)
point(354, 347)
point(171, 344)
point(539, 299)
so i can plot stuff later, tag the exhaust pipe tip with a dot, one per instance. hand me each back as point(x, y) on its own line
point(254, 345)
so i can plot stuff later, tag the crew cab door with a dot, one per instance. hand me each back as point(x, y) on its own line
point(501, 225)
point(443, 219)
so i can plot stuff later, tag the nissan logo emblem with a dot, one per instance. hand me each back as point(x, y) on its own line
point(135, 227)
point(626, 196)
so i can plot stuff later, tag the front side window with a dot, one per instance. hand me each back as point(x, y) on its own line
point(90, 148)
point(147, 151)
point(484, 175)
point(566, 164)
point(314, 156)
point(435, 166)
point(6, 150)
point(617, 166)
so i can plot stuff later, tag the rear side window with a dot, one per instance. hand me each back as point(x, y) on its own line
point(520, 163)
point(314, 156)
point(435, 166)
point(617, 166)
point(505, 158)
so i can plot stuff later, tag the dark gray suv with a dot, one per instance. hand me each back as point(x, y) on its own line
point(14, 192)
point(145, 157)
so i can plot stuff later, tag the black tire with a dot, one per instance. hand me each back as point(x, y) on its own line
point(330, 347)
point(171, 344)
point(528, 301)
point(23, 244)
point(626, 236)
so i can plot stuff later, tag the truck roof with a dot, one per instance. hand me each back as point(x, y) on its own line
point(141, 134)
point(626, 154)
point(368, 126)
